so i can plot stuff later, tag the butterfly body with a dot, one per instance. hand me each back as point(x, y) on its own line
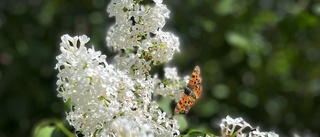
point(191, 93)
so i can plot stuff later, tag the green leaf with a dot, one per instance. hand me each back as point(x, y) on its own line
point(43, 131)
point(182, 122)
point(197, 133)
point(164, 104)
point(45, 128)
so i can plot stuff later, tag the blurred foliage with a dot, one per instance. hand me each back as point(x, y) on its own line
point(260, 60)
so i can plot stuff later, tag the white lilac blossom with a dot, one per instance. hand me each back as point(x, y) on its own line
point(138, 31)
point(234, 127)
point(105, 100)
point(115, 99)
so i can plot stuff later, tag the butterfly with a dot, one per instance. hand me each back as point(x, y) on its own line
point(191, 93)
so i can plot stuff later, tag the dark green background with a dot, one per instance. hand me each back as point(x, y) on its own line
point(260, 59)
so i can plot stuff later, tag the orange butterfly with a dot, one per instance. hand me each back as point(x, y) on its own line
point(191, 93)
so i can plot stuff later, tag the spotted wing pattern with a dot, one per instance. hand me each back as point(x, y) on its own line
point(191, 93)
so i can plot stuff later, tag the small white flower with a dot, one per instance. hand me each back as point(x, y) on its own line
point(131, 127)
point(171, 73)
point(228, 126)
point(158, 1)
point(256, 133)
point(172, 85)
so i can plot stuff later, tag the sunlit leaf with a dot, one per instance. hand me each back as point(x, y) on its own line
point(43, 131)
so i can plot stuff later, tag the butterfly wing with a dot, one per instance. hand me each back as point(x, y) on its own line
point(195, 83)
point(184, 104)
point(195, 78)
point(197, 91)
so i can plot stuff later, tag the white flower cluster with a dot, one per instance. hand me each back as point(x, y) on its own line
point(171, 84)
point(105, 100)
point(234, 127)
point(138, 31)
point(116, 99)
